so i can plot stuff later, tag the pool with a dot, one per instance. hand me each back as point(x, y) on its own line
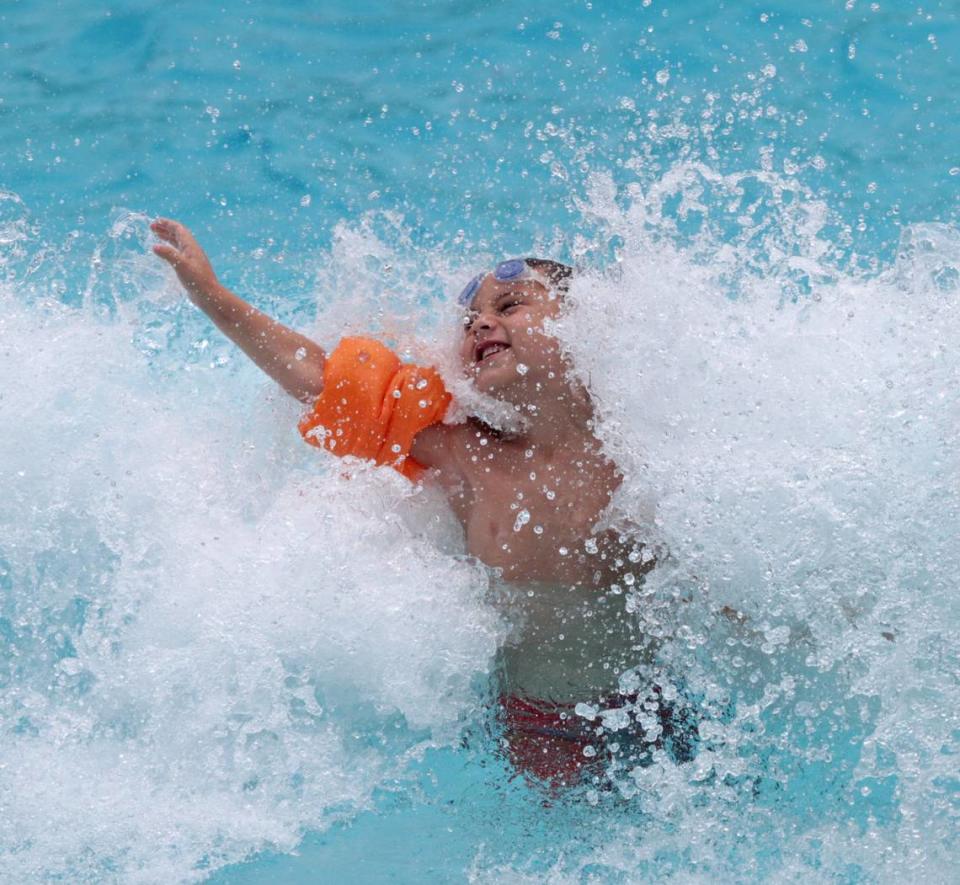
point(221, 660)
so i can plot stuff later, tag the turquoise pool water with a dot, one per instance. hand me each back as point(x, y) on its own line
point(221, 660)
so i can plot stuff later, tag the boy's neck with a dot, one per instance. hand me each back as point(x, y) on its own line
point(561, 420)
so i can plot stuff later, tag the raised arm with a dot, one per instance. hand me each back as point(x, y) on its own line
point(296, 363)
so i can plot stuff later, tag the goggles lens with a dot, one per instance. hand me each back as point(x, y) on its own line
point(510, 270)
point(513, 269)
point(466, 296)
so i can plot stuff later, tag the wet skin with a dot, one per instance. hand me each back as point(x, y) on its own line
point(529, 502)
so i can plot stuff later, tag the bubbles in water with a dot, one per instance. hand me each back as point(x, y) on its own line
point(787, 430)
point(200, 621)
point(212, 620)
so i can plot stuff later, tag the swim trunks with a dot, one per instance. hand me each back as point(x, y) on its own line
point(554, 744)
point(373, 406)
point(545, 739)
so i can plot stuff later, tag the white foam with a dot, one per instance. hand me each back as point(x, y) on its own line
point(799, 451)
point(212, 627)
point(210, 620)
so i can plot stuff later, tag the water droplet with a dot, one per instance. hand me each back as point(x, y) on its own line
point(301, 353)
point(522, 369)
point(421, 384)
point(523, 517)
point(70, 666)
point(305, 200)
point(663, 77)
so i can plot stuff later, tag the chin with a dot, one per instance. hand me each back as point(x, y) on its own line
point(490, 387)
point(504, 383)
point(511, 391)
point(491, 379)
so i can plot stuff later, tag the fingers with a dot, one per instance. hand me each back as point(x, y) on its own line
point(168, 254)
point(171, 231)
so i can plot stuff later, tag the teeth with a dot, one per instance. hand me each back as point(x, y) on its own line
point(490, 350)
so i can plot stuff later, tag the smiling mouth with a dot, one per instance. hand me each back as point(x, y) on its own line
point(489, 350)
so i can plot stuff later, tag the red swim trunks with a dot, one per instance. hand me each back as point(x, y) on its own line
point(546, 739)
point(550, 742)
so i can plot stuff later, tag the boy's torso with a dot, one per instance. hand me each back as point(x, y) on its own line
point(534, 518)
point(529, 514)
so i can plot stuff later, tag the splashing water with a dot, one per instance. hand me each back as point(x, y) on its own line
point(216, 641)
point(794, 422)
point(199, 625)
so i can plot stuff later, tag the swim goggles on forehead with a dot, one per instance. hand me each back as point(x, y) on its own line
point(504, 272)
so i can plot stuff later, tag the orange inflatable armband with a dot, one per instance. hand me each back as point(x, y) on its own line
point(373, 406)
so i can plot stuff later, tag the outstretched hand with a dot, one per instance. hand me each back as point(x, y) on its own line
point(292, 360)
point(182, 252)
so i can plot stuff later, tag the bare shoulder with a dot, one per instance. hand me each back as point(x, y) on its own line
point(440, 447)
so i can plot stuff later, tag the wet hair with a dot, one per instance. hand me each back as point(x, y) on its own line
point(558, 274)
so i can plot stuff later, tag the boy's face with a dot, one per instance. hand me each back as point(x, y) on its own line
point(504, 348)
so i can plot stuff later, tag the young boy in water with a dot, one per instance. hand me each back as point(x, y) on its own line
point(529, 501)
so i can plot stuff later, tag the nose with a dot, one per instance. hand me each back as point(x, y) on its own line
point(482, 322)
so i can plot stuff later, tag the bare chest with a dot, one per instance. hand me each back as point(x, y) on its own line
point(533, 523)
